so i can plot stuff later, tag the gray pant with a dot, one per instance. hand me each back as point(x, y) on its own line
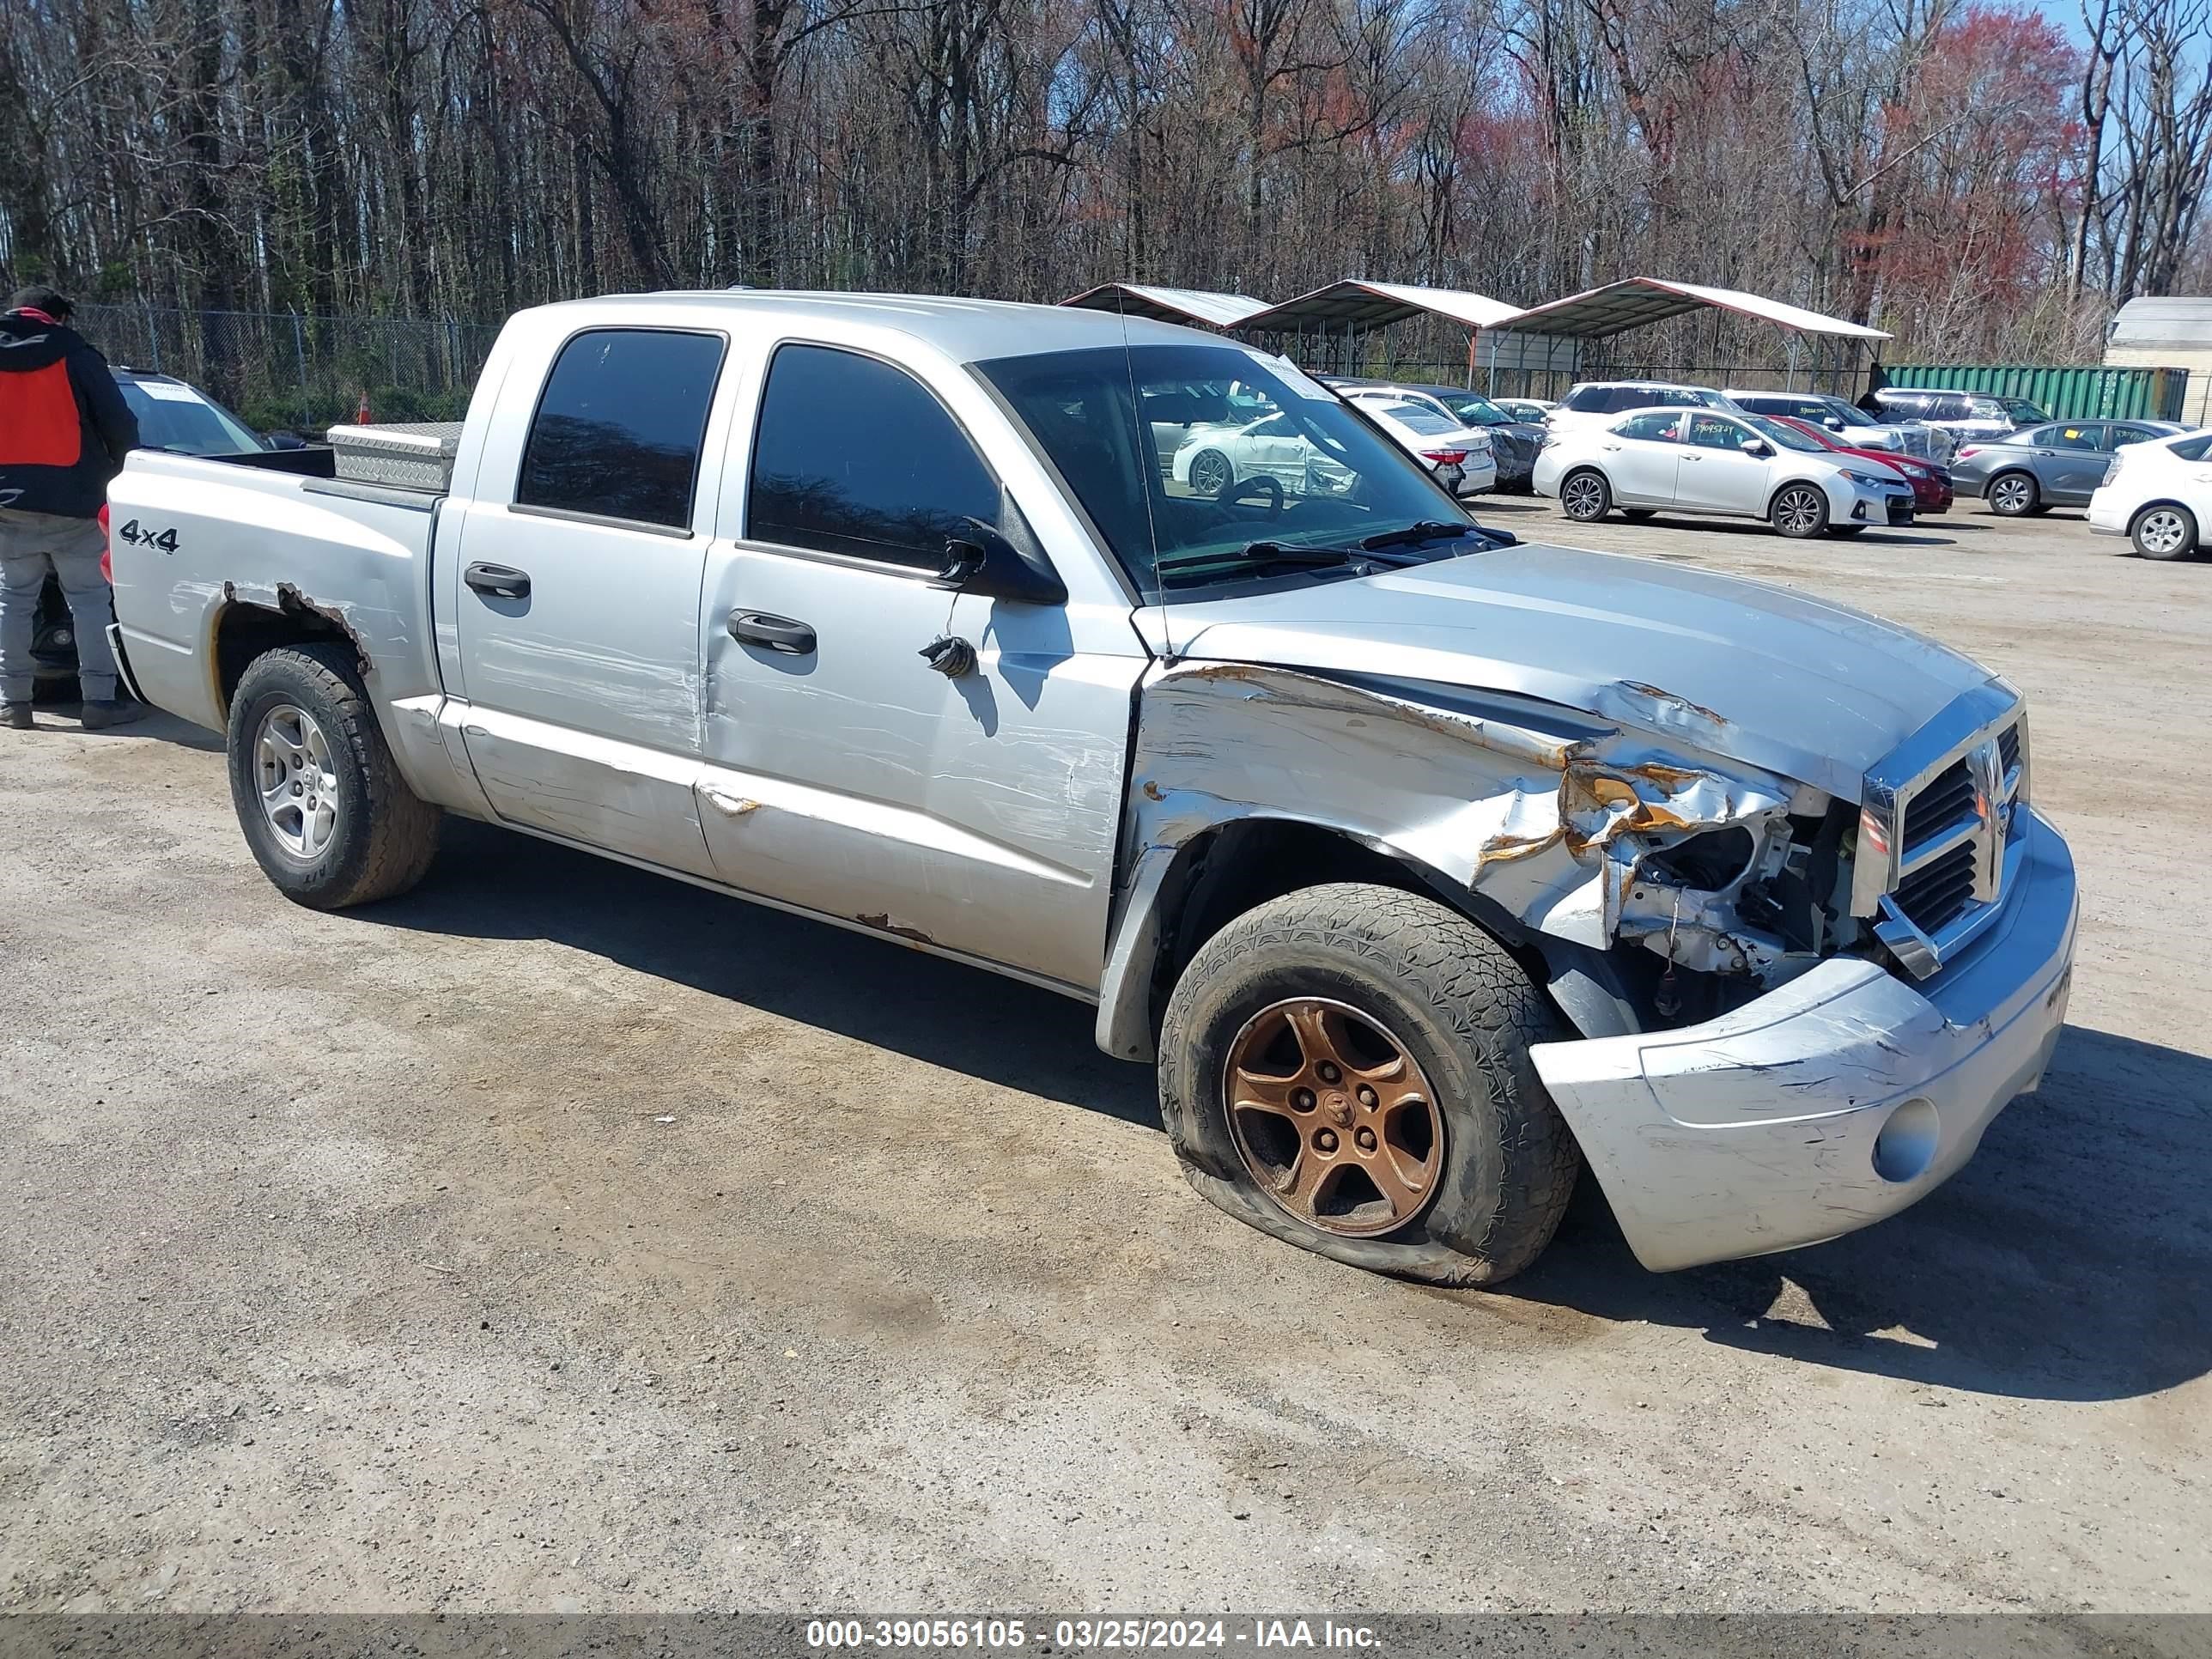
point(30, 545)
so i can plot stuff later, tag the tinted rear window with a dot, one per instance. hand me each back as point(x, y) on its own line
point(1416, 418)
point(619, 429)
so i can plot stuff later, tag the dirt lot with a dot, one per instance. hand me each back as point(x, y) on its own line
point(560, 1237)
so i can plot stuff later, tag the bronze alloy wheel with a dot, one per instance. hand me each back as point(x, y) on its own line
point(1335, 1120)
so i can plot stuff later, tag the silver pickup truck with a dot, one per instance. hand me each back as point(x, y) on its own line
point(1423, 864)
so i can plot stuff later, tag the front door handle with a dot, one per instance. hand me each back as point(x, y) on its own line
point(777, 633)
point(501, 581)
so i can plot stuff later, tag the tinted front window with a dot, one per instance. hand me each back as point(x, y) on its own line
point(619, 429)
point(1185, 520)
point(854, 456)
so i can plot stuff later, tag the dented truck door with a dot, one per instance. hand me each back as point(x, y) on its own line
point(975, 811)
point(578, 596)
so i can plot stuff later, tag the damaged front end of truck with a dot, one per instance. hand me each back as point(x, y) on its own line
point(1740, 952)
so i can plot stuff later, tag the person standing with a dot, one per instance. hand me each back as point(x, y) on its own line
point(64, 430)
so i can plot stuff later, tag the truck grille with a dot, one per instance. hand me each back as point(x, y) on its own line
point(1936, 822)
point(1941, 803)
point(1934, 894)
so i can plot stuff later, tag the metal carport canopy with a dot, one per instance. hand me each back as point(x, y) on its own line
point(1170, 305)
point(1619, 306)
point(1357, 304)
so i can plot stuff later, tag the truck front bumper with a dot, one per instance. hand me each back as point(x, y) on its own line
point(1840, 1098)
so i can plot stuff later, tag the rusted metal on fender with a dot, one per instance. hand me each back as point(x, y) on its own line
point(1540, 816)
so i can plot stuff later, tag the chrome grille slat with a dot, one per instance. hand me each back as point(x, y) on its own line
point(1930, 864)
point(1934, 894)
point(1939, 805)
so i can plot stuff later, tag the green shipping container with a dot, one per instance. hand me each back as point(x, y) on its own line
point(2063, 392)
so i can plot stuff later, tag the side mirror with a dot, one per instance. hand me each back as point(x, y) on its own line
point(979, 558)
point(1834, 423)
point(1756, 447)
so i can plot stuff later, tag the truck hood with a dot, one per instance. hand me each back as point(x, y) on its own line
point(1744, 670)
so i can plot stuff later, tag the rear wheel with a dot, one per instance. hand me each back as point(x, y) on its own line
point(317, 793)
point(2164, 533)
point(1800, 510)
point(2012, 494)
point(1346, 1068)
point(1210, 472)
point(1585, 497)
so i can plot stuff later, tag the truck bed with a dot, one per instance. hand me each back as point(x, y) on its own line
point(199, 542)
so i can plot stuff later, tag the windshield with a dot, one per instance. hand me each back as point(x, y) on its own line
point(171, 415)
point(1474, 409)
point(1788, 436)
point(1207, 479)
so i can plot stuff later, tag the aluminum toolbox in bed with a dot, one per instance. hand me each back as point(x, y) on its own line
point(412, 455)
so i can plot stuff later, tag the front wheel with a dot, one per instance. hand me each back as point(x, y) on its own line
point(2165, 533)
point(2012, 494)
point(330, 819)
point(1799, 512)
point(1346, 1068)
point(1585, 497)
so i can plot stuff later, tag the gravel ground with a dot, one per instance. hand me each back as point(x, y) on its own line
point(561, 1238)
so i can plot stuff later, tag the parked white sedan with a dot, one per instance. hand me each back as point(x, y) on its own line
point(2157, 495)
point(1439, 439)
point(1213, 460)
point(1698, 461)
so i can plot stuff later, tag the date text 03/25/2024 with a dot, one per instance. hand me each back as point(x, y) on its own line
point(1088, 1635)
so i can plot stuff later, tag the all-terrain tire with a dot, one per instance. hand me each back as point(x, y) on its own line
point(384, 836)
point(1461, 1009)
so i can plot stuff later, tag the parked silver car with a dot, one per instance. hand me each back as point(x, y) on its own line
point(2060, 464)
point(1705, 460)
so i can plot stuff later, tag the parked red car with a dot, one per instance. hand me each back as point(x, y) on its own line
point(1931, 484)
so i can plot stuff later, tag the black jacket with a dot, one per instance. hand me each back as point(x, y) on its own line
point(65, 428)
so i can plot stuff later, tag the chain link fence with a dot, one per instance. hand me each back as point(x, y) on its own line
point(290, 371)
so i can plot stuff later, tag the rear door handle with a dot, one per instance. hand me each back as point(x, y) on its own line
point(501, 580)
point(777, 633)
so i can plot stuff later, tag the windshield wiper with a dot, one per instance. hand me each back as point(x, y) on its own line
point(1428, 530)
